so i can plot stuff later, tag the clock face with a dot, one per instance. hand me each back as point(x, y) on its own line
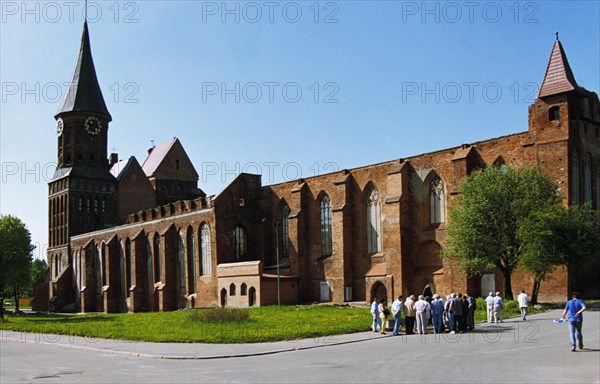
point(93, 125)
point(59, 127)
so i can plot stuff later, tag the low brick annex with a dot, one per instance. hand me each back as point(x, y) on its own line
point(130, 237)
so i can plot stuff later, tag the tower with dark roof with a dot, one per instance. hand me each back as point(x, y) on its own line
point(82, 193)
point(562, 120)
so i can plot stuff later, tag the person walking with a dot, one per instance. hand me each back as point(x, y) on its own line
point(523, 299)
point(375, 313)
point(489, 302)
point(574, 314)
point(498, 308)
point(397, 313)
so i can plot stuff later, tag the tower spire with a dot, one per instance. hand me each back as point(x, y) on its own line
point(84, 94)
point(559, 76)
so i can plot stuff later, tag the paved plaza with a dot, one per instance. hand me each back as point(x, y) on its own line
point(535, 351)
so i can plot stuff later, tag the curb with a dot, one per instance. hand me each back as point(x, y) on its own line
point(187, 357)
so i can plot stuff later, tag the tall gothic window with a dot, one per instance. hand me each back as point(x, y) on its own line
point(122, 267)
point(326, 228)
point(157, 261)
point(149, 265)
point(239, 243)
point(282, 234)
point(437, 204)
point(191, 266)
point(181, 261)
point(129, 250)
point(587, 179)
point(373, 222)
point(587, 185)
point(575, 178)
point(598, 195)
point(206, 250)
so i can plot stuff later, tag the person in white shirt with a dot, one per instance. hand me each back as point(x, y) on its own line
point(498, 307)
point(489, 302)
point(421, 309)
point(523, 299)
point(397, 313)
point(375, 312)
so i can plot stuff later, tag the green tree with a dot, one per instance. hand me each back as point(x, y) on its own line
point(15, 257)
point(484, 218)
point(38, 268)
point(554, 236)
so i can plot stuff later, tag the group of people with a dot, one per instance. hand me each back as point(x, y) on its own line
point(456, 314)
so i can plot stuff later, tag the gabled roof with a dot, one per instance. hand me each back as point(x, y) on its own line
point(119, 169)
point(84, 94)
point(559, 77)
point(156, 156)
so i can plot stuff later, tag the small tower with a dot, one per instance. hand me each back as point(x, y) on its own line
point(82, 193)
point(563, 121)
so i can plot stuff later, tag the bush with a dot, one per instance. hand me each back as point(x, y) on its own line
point(511, 307)
point(219, 315)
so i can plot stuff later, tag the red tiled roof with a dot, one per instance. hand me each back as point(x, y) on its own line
point(559, 77)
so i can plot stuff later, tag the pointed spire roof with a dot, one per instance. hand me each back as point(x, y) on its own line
point(84, 94)
point(559, 77)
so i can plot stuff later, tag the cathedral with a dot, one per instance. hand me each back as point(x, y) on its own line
point(129, 236)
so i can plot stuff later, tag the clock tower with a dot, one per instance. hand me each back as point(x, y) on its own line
point(82, 193)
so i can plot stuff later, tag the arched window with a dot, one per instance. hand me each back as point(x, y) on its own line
point(575, 178)
point(326, 229)
point(206, 250)
point(190, 261)
point(232, 290)
point(243, 289)
point(88, 203)
point(103, 204)
point(373, 222)
point(80, 203)
point(239, 243)
point(95, 205)
point(437, 205)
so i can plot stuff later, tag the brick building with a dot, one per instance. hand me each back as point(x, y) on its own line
point(131, 237)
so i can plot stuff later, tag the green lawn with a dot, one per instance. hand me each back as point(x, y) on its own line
point(265, 324)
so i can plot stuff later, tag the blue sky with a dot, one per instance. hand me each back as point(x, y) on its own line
point(285, 89)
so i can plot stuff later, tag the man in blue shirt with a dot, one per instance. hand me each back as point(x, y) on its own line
point(437, 312)
point(573, 312)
